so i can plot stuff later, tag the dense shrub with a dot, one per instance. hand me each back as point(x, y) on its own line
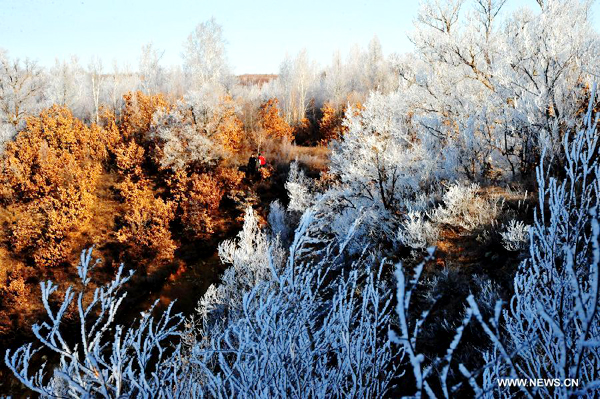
point(145, 222)
point(48, 179)
point(272, 121)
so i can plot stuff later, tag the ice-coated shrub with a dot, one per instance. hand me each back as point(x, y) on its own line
point(464, 207)
point(487, 294)
point(516, 236)
point(552, 326)
point(300, 189)
point(416, 232)
point(104, 359)
point(278, 221)
point(250, 256)
point(379, 164)
point(307, 331)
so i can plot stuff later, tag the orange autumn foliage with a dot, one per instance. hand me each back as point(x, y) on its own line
point(48, 177)
point(14, 292)
point(199, 197)
point(45, 225)
point(230, 179)
point(272, 122)
point(45, 154)
point(136, 117)
point(129, 158)
point(201, 205)
point(108, 122)
point(145, 222)
point(230, 129)
point(330, 125)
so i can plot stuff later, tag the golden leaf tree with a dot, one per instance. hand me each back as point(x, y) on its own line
point(145, 222)
point(229, 127)
point(272, 121)
point(48, 178)
point(136, 117)
point(330, 125)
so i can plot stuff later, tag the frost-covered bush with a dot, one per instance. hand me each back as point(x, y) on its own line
point(516, 236)
point(294, 343)
point(464, 207)
point(379, 164)
point(552, 327)
point(487, 294)
point(104, 359)
point(278, 222)
point(416, 232)
point(305, 332)
point(251, 256)
point(300, 189)
point(181, 141)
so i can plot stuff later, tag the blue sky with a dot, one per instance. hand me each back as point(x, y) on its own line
point(259, 32)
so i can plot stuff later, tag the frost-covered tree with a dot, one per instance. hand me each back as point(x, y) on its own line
point(181, 142)
point(493, 92)
point(205, 57)
point(379, 163)
point(296, 80)
point(118, 83)
point(552, 325)
point(152, 74)
point(21, 89)
point(200, 130)
point(334, 84)
point(377, 74)
point(66, 86)
point(7, 133)
point(97, 81)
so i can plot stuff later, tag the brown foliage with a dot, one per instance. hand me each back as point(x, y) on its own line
point(199, 197)
point(230, 178)
point(201, 205)
point(330, 124)
point(272, 122)
point(145, 223)
point(44, 226)
point(47, 154)
point(129, 158)
point(136, 116)
point(48, 177)
point(108, 122)
point(230, 129)
point(15, 292)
